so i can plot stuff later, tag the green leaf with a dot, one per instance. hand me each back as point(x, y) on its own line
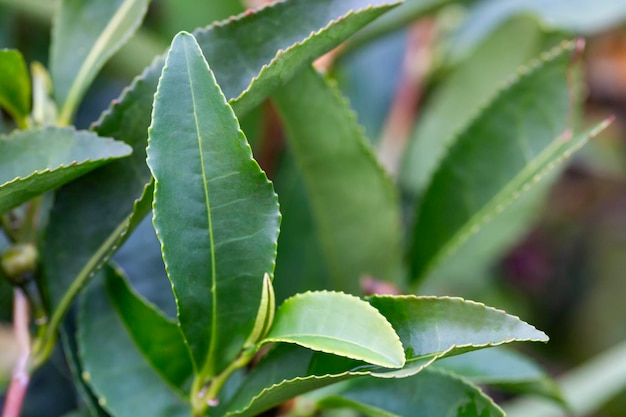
point(434, 393)
point(203, 167)
point(585, 388)
point(434, 327)
point(448, 111)
point(350, 194)
point(505, 369)
point(285, 372)
point(85, 34)
point(121, 378)
point(14, 85)
point(340, 324)
point(157, 337)
point(526, 134)
point(36, 161)
point(109, 193)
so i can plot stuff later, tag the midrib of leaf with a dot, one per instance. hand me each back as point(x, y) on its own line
point(533, 172)
point(110, 30)
point(207, 365)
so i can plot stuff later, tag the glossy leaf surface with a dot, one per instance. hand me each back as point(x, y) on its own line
point(14, 84)
point(104, 26)
point(433, 393)
point(109, 194)
point(35, 161)
point(114, 367)
point(520, 136)
point(349, 192)
point(218, 253)
point(340, 324)
point(158, 338)
point(434, 327)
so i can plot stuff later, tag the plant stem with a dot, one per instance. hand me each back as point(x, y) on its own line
point(21, 372)
point(203, 396)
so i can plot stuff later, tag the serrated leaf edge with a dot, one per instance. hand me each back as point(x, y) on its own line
point(11, 137)
point(340, 293)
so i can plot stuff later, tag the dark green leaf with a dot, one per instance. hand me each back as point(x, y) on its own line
point(511, 145)
point(84, 36)
point(350, 194)
point(433, 393)
point(108, 194)
point(124, 382)
point(285, 372)
point(36, 161)
point(14, 85)
point(158, 338)
point(340, 324)
point(218, 253)
point(434, 327)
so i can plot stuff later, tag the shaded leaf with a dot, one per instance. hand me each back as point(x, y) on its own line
point(217, 254)
point(158, 338)
point(285, 372)
point(433, 393)
point(14, 85)
point(75, 60)
point(526, 134)
point(434, 327)
point(349, 192)
point(340, 324)
point(114, 367)
point(108, 194)
point(36, 161)
point(505, 369)
point(448, 111)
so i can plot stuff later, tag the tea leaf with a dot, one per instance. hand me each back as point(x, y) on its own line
point(15, 87)
point(114, 367)
point(104, 26)
point(35, 161)
point(340, 324)
point(218, 252)
point(349, 192)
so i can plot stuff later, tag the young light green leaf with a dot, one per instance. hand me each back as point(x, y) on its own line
point(108, 194)
point(104, 26)
point(340, 324)
point(35, 161)
point(113, 366)
point(435, 327)
point(265, 315)
point(14, 85)
point(203, 167)
point(525, 130)
point(157, 337)
point(434, 393)
point(349, 192)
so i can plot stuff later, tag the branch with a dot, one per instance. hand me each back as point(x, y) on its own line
point(21, 377)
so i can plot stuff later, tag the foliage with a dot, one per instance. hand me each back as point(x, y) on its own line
point(175, 147)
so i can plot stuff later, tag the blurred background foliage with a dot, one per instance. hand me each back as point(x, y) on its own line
point(414, 78)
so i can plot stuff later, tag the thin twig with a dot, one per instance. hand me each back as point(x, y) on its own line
point(21, 377)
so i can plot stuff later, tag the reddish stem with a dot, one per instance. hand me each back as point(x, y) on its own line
point(19, 381)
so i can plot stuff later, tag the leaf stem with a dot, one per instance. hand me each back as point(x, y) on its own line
point(21, 372)
point(203, 395)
